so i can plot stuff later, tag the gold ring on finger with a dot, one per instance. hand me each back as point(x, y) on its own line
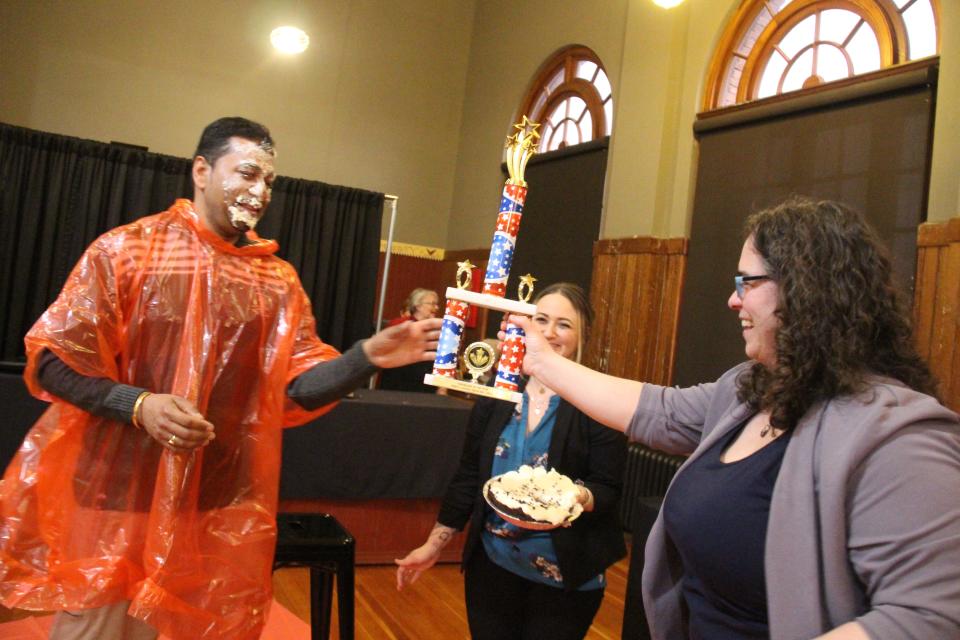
point(172, 441)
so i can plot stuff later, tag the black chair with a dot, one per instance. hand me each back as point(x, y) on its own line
point(318, 541)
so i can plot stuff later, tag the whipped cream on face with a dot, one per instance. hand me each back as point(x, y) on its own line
point(246, 191)
point(240, 213)
point(541, 495)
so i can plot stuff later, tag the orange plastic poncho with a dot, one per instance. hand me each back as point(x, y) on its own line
point(94, 511)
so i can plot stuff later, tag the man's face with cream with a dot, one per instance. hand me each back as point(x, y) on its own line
point(236, 189)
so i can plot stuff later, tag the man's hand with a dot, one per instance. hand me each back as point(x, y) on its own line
point(404, 344)
point(174, 422)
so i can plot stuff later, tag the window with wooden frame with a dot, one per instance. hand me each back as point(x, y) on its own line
point(773, 47)
point(571, 98)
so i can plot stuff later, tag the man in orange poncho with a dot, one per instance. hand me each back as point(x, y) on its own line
point(144, 499)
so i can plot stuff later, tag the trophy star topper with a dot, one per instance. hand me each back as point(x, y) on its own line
point(521, 146)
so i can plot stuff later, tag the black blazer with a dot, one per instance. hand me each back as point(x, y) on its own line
point(579, 448)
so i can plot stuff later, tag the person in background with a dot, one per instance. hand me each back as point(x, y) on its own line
point(419, 305)
point(145, 497)
point(533, 584)
point(820, 496)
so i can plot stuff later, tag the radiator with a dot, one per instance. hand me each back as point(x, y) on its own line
point(646, 477)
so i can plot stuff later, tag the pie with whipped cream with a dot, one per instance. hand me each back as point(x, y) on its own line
point(533, 497)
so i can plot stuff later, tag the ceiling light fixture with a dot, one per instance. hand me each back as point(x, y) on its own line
point(289, 40)
point(667, 4)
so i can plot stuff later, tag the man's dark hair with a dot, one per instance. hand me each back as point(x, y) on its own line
point(215, 139)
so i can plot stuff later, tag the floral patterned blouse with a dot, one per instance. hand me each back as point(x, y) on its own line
point(528, 554)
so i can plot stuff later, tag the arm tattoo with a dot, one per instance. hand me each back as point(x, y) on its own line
point(441, 534)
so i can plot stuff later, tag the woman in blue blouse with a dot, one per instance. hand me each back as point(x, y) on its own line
point(521, 583)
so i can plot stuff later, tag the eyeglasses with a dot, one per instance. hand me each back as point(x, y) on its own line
point(739, 280)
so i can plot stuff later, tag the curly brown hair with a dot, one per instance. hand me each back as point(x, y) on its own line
point(841, 317)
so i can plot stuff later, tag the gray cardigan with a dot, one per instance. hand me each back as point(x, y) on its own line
point(864, 519)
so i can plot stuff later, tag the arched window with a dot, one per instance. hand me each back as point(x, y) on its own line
point(571, 98)
point(776, 46)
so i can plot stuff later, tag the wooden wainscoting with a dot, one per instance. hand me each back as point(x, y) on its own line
point(936, 304)
point(635, 292)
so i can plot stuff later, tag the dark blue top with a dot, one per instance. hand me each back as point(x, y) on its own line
point(716, 515)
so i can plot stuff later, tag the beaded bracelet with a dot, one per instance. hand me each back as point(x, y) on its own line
point(134, 418)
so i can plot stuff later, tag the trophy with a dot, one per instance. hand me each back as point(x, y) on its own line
point(479, 356)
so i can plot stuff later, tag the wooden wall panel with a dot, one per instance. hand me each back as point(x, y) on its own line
point(635, 292)
point(936, 306)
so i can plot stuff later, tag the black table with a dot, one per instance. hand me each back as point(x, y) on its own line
point(378, 444)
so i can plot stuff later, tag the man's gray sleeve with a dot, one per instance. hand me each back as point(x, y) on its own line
point(331, 380)
point(100, 396)
point(324, 383)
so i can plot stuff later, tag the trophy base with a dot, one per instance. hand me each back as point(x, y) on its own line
point(473, 388)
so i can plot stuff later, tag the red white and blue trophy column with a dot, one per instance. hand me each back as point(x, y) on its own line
point(445, 363)
point(520, 148)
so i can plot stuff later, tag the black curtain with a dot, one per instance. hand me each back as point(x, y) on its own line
point(561, 218)
point(58, 193)
point(867, 146)
point(331, 235)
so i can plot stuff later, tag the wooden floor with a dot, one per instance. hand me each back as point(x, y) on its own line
point(432, 609)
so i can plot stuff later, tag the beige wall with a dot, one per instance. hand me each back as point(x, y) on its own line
point(657, 68)
point(412, 98)
point(655, 59)
point(945, 168)
point(375, 102)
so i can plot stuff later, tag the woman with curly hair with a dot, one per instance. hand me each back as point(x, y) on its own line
point(820, 498)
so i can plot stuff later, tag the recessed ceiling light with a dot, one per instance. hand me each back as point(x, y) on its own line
point(667, 4)
point(289, 40)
